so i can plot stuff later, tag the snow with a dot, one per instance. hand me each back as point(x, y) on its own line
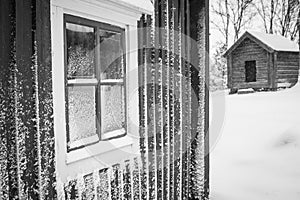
point(257, 156)
point(276, 42)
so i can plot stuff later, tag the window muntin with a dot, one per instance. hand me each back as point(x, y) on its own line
point(95, 86)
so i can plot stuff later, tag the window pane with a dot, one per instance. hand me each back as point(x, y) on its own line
point(112, 108)
point(82, 112)
point(111, 55)
point(80, 51)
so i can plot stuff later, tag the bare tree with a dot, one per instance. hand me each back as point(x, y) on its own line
point(272, 14)
point(262, 11)
point(221, 10)
point(294, 14)
point(287, 18)
point(279, 16)
point(235, 14)
point(227, 22)
point(266, 11)
point(241, 15)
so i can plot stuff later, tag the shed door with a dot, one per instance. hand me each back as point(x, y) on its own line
point(250, 71)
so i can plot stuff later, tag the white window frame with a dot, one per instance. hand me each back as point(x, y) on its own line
point(103, 153)
point(96, 82)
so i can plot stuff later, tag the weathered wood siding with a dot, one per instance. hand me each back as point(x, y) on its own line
point(27, 163)
point(249, 50)
point(287, 69)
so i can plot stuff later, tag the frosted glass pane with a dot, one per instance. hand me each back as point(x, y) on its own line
point(82, 112)
point(111, 55)
point(112, 108)
point(80, 51)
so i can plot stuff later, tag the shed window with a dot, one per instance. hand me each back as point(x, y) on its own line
point(95, 91)
point(250, 71)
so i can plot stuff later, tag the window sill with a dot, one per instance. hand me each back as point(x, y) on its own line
point(73, 146)
point(113, 134)
point(83, 142)
point(99, 148)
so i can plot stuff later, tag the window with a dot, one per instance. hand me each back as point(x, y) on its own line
point(95, 81)
point(250, 71)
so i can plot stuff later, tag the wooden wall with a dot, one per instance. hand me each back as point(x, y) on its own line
point(287, 69)
point(27, 163)
point(246, 51)
point(175, 149)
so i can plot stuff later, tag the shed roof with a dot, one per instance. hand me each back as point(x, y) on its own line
point(145, 6)
point(270, 42)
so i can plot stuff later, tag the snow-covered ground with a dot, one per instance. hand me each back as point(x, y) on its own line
point(257, 156)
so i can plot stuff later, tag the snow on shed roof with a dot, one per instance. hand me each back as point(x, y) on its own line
point(276, 42)
point(270, 42)
point(144, 6)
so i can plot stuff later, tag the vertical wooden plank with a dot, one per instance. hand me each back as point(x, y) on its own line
point(8, 145)
point(183, 101)
point(127, 184)
point(185, 98)
point(150, 74)
point(80, 186)
point(187, 110)
point(103, 187)
point(121, 181)
point(46, 141)
point(177, 102)
point(26, 101)
point(205, 38)
point(136, 179)
point(96, 183)
point(199, 57)
point(189, 88)
point(158, 97)
point(89, 187)
point(171, 95)
point(165, 96)
point(142, 33)
point(71, 190)
point(115, 181)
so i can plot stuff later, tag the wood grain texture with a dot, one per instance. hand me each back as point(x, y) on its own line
point(287, 68)
point(27, 77)
point(9, 187)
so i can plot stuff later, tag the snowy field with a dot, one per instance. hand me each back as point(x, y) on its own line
point(257, 156)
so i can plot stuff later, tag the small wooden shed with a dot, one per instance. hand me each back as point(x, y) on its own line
point(262, 61)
